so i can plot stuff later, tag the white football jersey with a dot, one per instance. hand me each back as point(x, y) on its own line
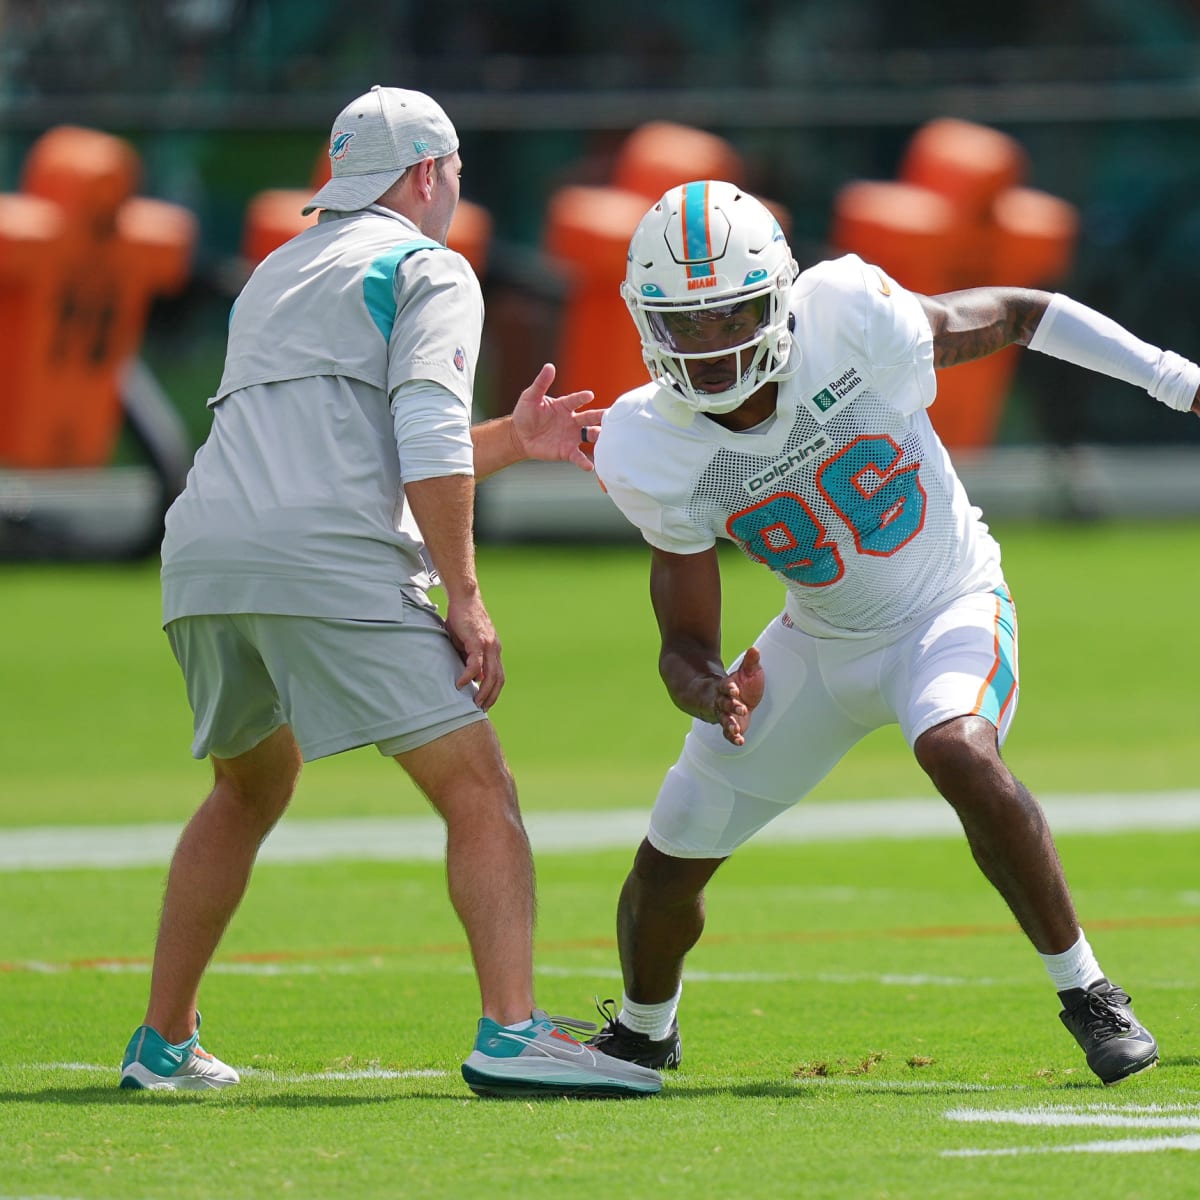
point(848, 495)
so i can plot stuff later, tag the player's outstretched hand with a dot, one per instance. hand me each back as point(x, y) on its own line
point(738, 695)
point(549, 428)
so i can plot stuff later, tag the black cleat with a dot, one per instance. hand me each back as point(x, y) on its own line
point(1117, 1045)
point(619, 1041)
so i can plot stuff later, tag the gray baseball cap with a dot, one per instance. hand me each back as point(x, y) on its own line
point(374, 139)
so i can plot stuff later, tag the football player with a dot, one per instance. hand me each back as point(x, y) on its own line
point(786, 412)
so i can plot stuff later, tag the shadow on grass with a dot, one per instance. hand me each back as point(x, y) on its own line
point(246, 1098)
point(803, 1089)
point(1087, 1082)
point(676, 1090)
point(1178, 1060)
point(679, 1090)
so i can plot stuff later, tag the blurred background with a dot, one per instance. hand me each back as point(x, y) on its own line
point(151, 151)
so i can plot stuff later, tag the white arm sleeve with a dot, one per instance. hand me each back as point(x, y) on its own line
point(1080, 335)
point(433, 431)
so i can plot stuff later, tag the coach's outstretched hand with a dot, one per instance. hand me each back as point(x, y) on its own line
point(549, 428)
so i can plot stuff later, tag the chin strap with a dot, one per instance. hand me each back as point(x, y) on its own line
point(672, 407)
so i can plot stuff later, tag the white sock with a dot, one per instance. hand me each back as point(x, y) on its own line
point(654, 1020)
point(1073, 968)
point(519, 1025)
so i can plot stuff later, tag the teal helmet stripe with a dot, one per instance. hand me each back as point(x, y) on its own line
point(998, 691)
point(378, 293)
point(697, 238)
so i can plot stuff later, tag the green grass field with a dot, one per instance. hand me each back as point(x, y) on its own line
point(862, 1018)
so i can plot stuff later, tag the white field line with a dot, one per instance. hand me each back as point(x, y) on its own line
point(908, 1085)
point(1153, 1109)
point(1053, 1117)
point(1153, 1117)
point(266, 970)
point(864, 1085)
point(1155, 1145)
point(373, 964)
point(1104, 1116)
point(322, 1076)
point(258, 1073)
point(889, 979)
point(422, 839)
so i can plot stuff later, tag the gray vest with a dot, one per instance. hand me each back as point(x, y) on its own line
point(277, 332)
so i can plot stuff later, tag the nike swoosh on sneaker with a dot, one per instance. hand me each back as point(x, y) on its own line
point(568, 1044)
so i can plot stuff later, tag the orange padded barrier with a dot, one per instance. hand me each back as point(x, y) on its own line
point(273, 216)
point(907, 230)
point(471, 234)
point(587, 231)
point(958, 218)
point(968, 164)
point(80, 261)
point(660, 155)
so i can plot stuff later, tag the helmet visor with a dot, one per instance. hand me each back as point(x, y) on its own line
point(709, 331)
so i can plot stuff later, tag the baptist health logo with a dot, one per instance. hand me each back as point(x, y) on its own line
point(848, 382)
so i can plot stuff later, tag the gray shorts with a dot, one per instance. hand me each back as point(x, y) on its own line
point(338, 683)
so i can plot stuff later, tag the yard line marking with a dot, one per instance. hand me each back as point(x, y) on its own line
point(891, 1085)
point(66, 1066)
point(1136, 1108)
point(142, 967)
point(422, 839)
point(260, 1073)
point(261, 962)
point(1189, 1141)
point(698, 976)
point(1054, 1117)
point(1105, 1116)
point(890, 979)
point(322, 1076)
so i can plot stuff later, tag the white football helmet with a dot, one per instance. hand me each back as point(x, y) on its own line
point(708, 276)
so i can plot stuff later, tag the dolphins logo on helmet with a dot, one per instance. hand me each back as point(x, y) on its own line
point(708, 276)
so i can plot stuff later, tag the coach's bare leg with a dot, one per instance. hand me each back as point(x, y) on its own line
point(489, 868)
point(660, 917)
point(1005, 827)
point(210, 871)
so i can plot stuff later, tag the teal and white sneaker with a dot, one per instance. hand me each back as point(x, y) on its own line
point(153, 1062)
point(545, 1060)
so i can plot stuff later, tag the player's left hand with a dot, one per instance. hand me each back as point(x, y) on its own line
point(550, 428)
point(738, 695)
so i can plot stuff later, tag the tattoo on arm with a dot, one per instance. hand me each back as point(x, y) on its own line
point(979, 321)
